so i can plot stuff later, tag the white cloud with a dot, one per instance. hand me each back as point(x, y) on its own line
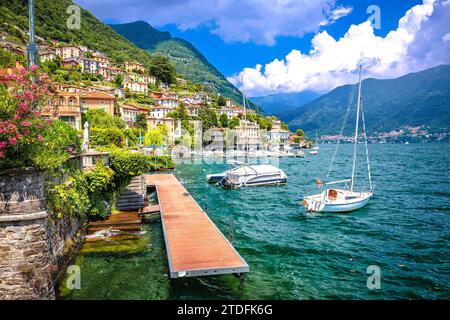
point(260, 21)
point(417, 43)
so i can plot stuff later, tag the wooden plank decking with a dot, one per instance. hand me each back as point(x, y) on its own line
point(194, 245)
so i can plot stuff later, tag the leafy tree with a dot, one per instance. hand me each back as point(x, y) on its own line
point(6, 59)
point(233, 123)
point(223, 120)
point(162, 69)
point(300, 133)
point(208, 117)
point(284, 126)
point(119, 80)
point(101, 119)
point(141, 121)
point(154, 138)
point(221, 101)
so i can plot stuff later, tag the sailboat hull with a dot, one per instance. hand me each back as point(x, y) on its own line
point(319, 203)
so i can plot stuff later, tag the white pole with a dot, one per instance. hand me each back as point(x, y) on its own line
point(356, 130)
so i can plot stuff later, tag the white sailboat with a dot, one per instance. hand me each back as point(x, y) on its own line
point(344, 200)
point(252, 175)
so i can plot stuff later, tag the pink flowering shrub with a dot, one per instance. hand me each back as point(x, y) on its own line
point(22, 129)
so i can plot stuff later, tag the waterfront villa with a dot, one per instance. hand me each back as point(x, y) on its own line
point(277, 135)
point(247, 134)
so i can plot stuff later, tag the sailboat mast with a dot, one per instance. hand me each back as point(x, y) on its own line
point(356, 131)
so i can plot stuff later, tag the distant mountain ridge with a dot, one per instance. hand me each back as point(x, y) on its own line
point(142, 34)
point(275, 104)
point(421, 98)
point(189, 62)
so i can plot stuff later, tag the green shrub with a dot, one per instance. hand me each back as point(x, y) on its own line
point(103, 137)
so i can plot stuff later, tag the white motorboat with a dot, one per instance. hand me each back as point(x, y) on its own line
point(313, 152)
point(253, 175)
point(344, 200)
point(217, 177)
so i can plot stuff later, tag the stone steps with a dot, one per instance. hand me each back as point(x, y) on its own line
point(133, 196)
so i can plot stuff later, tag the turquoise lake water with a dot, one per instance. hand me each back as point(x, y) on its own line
point(405, 230)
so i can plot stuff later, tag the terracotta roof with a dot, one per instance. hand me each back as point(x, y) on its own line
point(176, 99)
point(138, 108)
point(161, 107)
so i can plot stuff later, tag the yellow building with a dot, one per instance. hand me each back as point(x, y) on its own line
point(173, 127)
point(133, 66)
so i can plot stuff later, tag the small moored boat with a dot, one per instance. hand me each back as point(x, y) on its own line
point(253, 175)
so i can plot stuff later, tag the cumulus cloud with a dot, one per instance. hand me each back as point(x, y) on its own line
point(260, 21)
point(420, 41)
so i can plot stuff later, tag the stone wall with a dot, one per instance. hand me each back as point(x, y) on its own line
point(32, 246)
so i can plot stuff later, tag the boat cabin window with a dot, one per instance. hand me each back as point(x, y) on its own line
point(332, 194)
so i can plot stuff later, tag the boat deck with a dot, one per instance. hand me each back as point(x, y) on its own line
point(194, 245)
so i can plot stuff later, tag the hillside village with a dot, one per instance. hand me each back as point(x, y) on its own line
point(85, 80)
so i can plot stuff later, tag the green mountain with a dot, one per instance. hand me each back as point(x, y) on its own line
point(421, 98)
point(275, 104)
point(188, 61)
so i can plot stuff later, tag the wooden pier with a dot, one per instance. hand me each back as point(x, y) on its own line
point(194, 245)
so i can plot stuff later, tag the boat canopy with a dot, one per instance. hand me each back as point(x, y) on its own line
point(257, 170)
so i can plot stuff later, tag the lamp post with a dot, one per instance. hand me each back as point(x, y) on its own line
point(32, 49)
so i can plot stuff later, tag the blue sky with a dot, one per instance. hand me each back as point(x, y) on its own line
point(294, 45)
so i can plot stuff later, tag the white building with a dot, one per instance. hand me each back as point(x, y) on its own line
point(136, 87)
point(168, 102)
point(160, 112)
point(277, 135)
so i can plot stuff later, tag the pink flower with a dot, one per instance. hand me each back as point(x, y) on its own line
point(3, 144)
point(13, 141)
point(33, 68)
point(40, 138)
point(2, 154)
